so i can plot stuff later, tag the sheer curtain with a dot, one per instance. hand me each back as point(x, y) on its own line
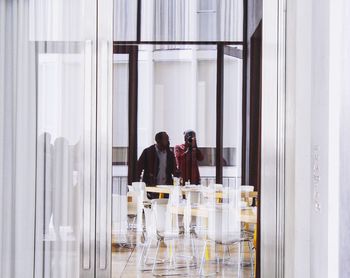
point(47, 94)
point(17, 140)
point(65, 33)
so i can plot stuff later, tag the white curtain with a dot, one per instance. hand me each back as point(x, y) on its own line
point(17, 140)
point(65, 93)
point(47, 85)
point(180, 20)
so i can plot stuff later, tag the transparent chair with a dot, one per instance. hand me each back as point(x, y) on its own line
point(224, 226)
point(150, 232)
point(119, 212)
point(168, 229)
point(194, 225)
point(139, 195)
point(132, 209)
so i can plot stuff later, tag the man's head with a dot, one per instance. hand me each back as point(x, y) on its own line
point(189, 136)
point(162, 140)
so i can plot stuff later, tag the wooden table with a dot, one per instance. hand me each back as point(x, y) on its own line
point(247, 216)
point(167, 190)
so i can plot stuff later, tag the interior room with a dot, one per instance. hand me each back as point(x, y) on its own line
point(184, 138)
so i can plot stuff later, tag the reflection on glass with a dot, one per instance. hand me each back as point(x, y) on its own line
point(179, 20)
point(120, 137)
point(180, 227)
point(232, 125)
point(120, 109)
point(177, 92)
point(201, 20)
point(64, 144)
point(125, 19)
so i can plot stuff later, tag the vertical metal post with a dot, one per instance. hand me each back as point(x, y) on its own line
point(219, 110)
point(133, 100)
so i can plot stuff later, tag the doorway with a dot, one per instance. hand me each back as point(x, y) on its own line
point(184, 86)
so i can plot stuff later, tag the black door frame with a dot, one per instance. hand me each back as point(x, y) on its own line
point(132, 51)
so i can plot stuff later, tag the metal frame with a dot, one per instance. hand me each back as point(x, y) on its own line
point(273, 139)
point(273, 125)
point(129, 47)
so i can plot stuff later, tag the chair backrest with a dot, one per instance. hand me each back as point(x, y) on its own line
point(194, 197)
point(175, 196)
point(216, 186)
point(247, 188)
point(150, 221)
point(224, 223)
point(138, 186)
point(159, 207)
point(119, 214)
point(134, 198)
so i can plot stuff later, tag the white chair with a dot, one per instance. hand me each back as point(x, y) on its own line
point(140, 186)
point(194, 226)
point(132, 208)
point(150, 236)
point(168, 228)
point(224, 225)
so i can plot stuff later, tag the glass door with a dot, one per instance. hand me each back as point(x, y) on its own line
point(72, 66)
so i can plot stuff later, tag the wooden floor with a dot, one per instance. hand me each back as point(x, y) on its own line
point(125, 260)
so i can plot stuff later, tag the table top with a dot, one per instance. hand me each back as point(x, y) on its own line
point(167, 190)
point(247, 215)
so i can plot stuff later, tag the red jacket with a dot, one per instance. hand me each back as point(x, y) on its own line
point(187, 163)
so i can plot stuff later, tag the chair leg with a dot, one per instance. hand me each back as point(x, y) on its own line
point(193, 247)
point(145, 248)
point(250, 244)
point(173, 253)
point(224, 254)
point(147, 251)
point(156, 256)
point(217, 264)
point(228, 251)
point(202, 259)
point(241, 253)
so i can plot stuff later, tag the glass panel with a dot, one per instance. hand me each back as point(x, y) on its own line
point(65, 35)
point(177, 92)
point(125, 20)
point(201, 20)
point(64, 116)
point(120, 138)
point(120, 111)
point(232, 125)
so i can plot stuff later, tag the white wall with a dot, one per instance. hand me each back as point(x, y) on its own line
point(177, 91)
point(317, 102)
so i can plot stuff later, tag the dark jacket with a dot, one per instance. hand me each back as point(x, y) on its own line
point(149, 162)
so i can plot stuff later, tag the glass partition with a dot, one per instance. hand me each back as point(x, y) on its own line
point(65, 37)
point(232, 114)
point(177, 92)
point(125, 20)
point(197, 20)
point(178, 20)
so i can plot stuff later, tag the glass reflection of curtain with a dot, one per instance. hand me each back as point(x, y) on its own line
point(17, 141)
point(216, 19)
point(125, 19)
point(64, 32)
point(229, 20)
point(60, 158)
point(171, 21)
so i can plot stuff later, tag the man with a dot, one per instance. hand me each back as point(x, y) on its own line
point(157, 162)
point(187, 156)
